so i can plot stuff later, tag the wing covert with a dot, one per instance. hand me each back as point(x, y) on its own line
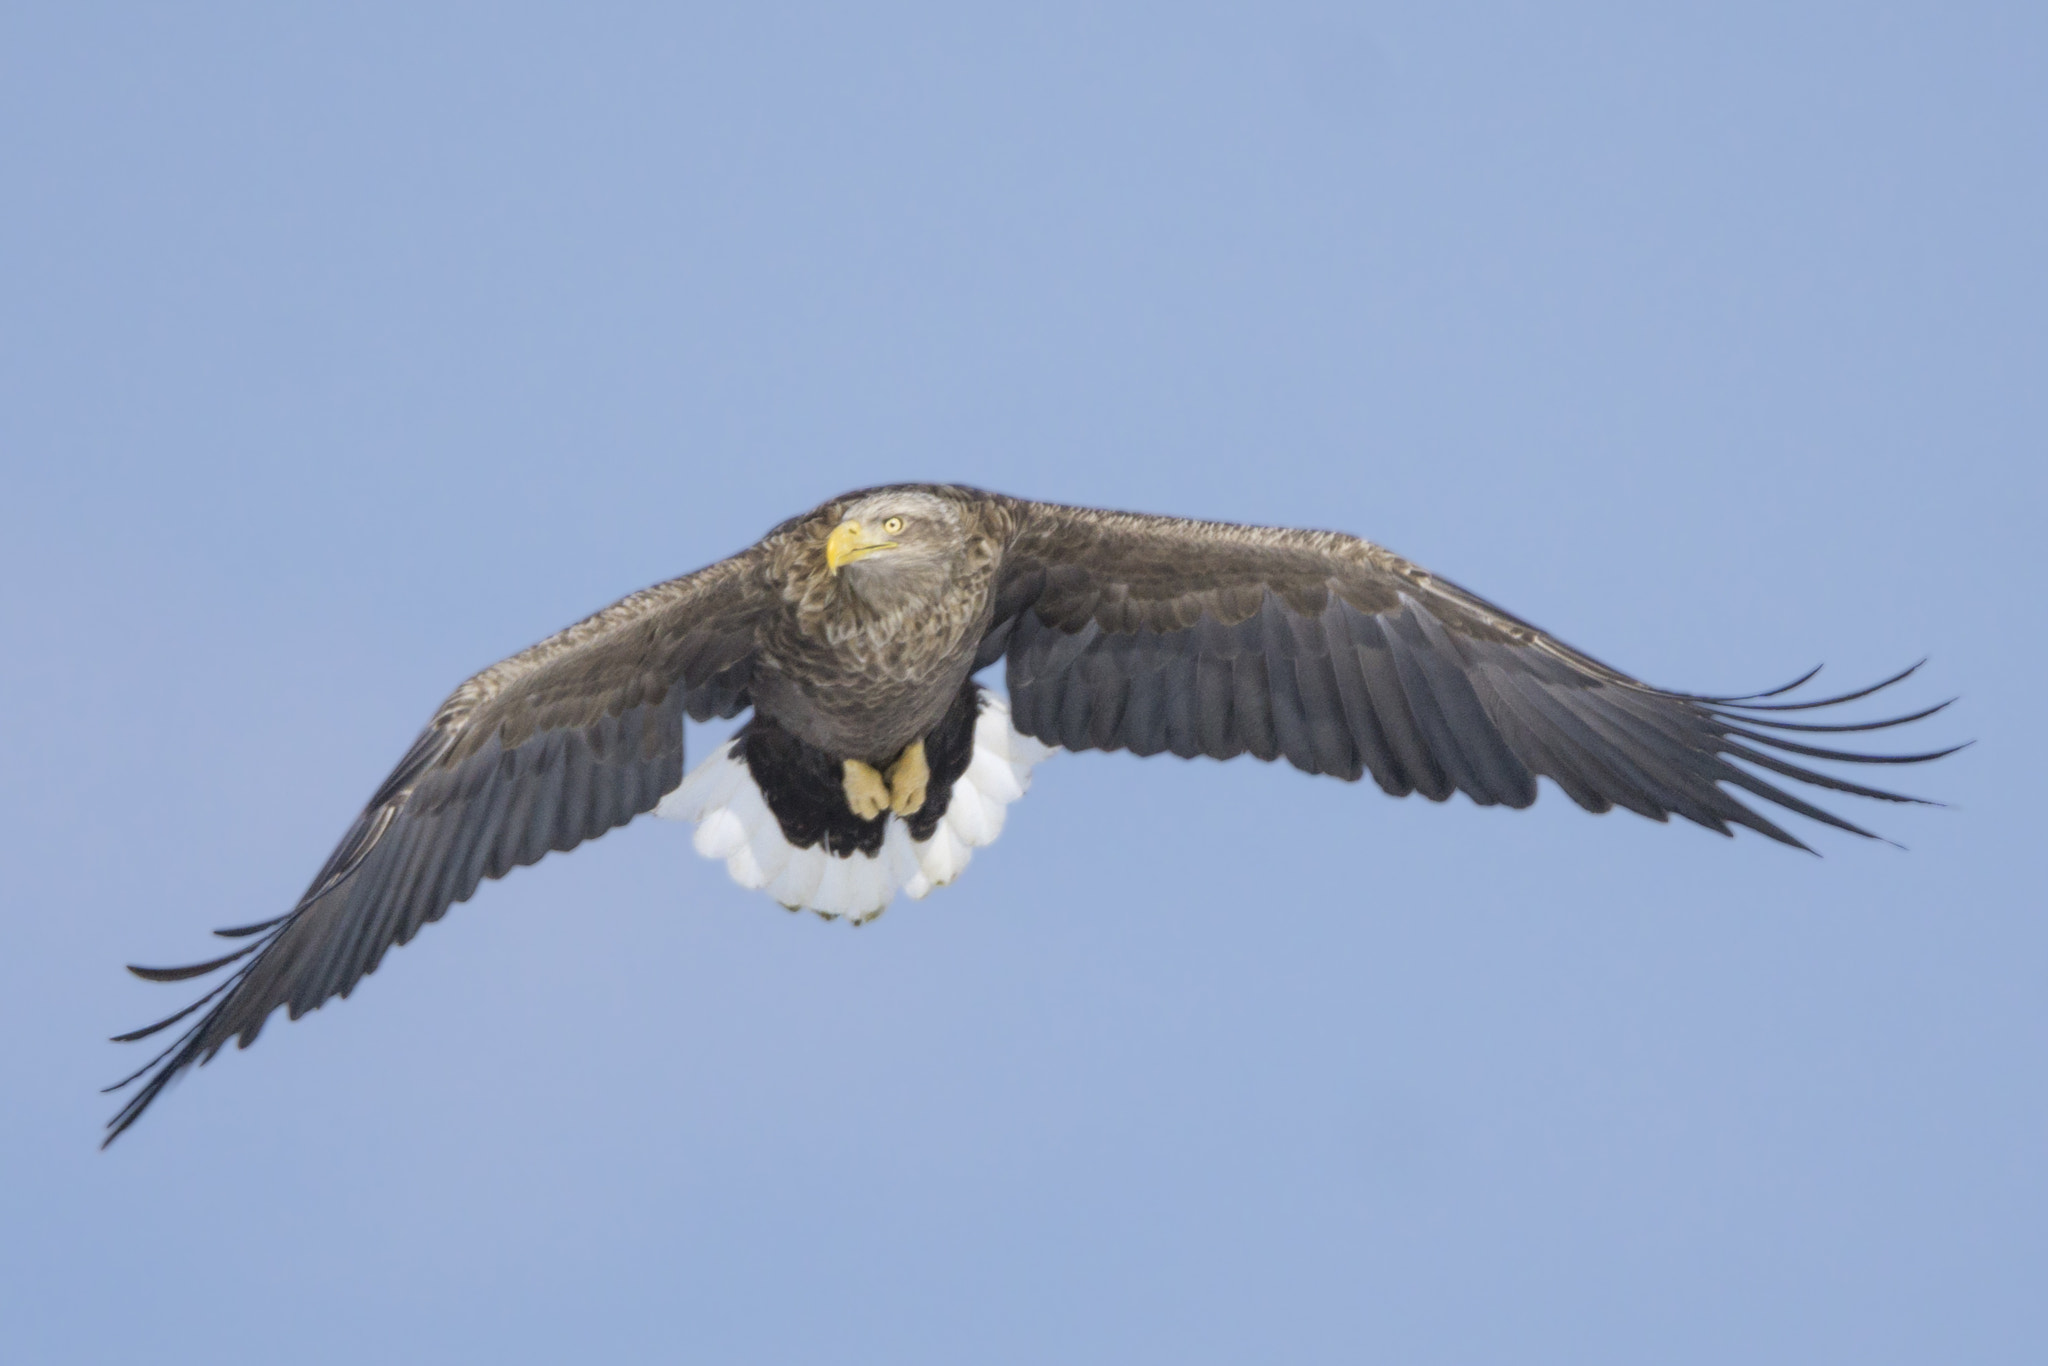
point(1159, 634)
point(540, 752)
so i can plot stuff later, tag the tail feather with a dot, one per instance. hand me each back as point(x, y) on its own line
point(735, 824)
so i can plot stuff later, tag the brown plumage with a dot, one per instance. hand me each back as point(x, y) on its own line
point(1119, 631)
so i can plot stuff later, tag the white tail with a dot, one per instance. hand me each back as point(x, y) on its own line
point(735, 824)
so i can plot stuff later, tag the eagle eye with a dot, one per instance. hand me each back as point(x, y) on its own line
point(893, 525)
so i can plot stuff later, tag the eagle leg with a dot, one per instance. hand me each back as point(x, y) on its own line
point(908, 778)
point(866, 792)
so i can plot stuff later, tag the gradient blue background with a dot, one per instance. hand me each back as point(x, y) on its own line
point(342, 356)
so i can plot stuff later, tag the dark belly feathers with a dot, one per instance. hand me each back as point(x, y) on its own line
point(805, 786)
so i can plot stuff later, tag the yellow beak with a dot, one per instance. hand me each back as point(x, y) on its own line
point(848, 542)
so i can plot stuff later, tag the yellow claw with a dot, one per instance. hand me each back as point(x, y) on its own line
point(908, 778)
point(866, 793)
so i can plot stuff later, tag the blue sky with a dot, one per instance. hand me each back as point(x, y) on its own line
point(345, 354)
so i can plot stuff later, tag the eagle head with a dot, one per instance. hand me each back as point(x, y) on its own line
point(895, 543)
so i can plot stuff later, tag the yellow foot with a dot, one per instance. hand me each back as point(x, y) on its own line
point(866, 793)
point(908, 777)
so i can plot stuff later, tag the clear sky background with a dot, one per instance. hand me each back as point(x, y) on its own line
point(341, 356)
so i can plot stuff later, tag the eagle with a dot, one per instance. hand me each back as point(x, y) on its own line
point(873, 761)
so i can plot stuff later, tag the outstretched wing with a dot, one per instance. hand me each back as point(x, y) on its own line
point(1126, 631)
point(549, 748)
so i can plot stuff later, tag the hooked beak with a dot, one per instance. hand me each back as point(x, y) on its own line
point(849, 542)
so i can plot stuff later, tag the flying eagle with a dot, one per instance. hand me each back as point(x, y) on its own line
point(874, 762)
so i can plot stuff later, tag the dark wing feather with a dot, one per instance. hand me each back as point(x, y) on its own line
point(1124, 631)
point(549, 748)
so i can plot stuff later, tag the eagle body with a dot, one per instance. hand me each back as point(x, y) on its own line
point(874, 761)
point(801, 784)
point(859, 664)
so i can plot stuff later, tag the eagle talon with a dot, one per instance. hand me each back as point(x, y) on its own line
point(866, 792)
point(908, 778)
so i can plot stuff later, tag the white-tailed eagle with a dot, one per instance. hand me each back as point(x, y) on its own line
point(873, 762)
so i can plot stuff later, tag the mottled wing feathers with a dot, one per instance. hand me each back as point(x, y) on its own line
point(549, 748)
point(1155, 634)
